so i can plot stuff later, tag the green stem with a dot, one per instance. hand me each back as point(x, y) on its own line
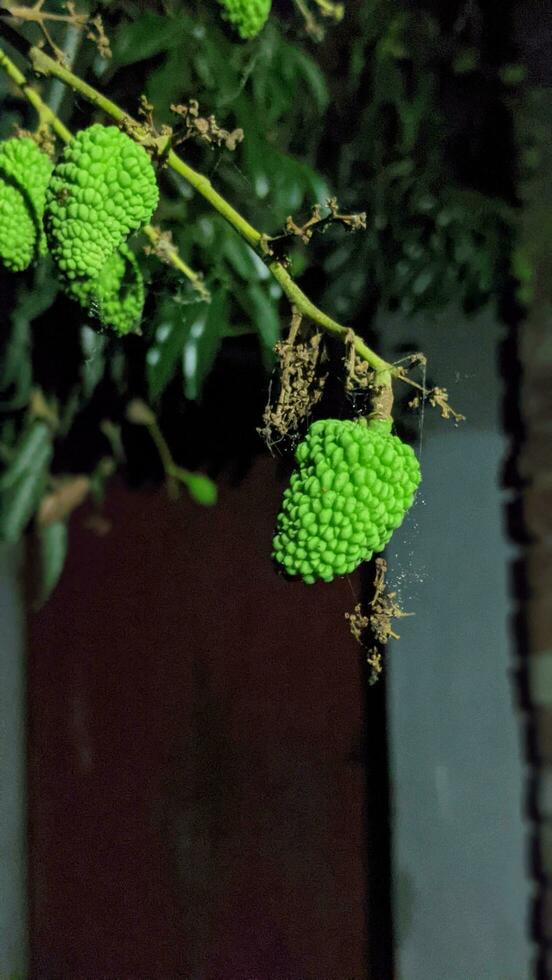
point(45, 114)
point(329, 9)
point(179, 473)
point(203, 186)
point(167, 252)
point(45, 65)
point(161, 445)
point(174, 474)
point(307, 307)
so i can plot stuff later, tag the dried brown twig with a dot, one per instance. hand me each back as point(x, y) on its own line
point(164, 139)
point(382, 609)
point(358, 373)
point(301, 384)
point(438, 398)
point(319, 222)
point(162, 246)
point(204, 127)
point(67, 494)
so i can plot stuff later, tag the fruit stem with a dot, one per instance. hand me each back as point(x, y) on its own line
point(382, 397)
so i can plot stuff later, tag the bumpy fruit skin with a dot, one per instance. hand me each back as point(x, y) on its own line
point(116, 295)
point(18, 232)
point(354, 485)
point(102, 189)
point(24, 175)
point(247, 16)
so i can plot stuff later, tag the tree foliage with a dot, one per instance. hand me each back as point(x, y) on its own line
point(398, 110)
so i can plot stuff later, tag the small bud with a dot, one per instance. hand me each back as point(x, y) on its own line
point(201, 489)
point(139, 413)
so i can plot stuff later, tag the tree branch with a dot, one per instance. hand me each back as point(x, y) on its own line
point(45, 65)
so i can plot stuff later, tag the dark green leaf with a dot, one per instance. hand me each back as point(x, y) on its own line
point(308, 71)
point(169, 83)
point(203, 342)
point(263, 313)
point(240, 257)
point(147, 36)
point(164, 355)
point(93, 365)
point(53, 551)
point(15, 361)
point(15, 345)
point(32, 445)
point(19, 502)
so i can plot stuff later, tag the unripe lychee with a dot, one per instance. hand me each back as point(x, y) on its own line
point(353, 487)
point(102, 190)
point(24, 174)
point(116, 295)
point(248, 17)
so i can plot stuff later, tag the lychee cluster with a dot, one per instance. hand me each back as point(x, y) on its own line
point(353, 487)
point(24, 174)
point(102, 189)
point(248, 17)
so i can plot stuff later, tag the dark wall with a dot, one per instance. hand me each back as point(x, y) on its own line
point(195, 804)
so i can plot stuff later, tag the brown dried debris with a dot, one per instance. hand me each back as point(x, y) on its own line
point(377, 619)
point(301, 383)
point(358, 622)
point(358, 373)
point(375, 662)
point(438, 398)
point(68, 494)
point(96, 34)
point(204, 127)
point(319, 222)
point(384, 606)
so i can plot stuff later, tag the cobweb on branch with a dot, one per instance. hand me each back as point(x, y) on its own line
point(398, 577)
point(406, 574)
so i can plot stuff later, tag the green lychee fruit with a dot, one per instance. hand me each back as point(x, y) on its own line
point(102, 190)
point(24, 174)
point(248, 17)
point(116, 295)
point(353, 487)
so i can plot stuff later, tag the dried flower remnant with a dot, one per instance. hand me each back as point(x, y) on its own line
point(301, 383)
point(377, 620)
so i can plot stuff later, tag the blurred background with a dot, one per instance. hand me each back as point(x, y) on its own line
point(198, 779)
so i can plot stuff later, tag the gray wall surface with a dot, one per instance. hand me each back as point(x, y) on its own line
point(13, 818)
point(461, 883)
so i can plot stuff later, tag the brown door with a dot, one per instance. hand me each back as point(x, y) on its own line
point(196, 808)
